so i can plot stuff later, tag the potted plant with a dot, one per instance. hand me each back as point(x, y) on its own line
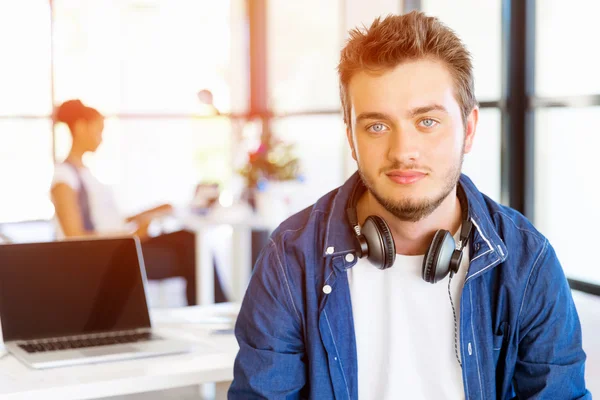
point(268, 172)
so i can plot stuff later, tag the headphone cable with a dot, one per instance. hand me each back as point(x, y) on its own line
point(455, 325)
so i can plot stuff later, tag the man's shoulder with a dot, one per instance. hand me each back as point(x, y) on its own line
point(525, 246)
point(503, 220)
point(506, 232)
point(510, 222)
point(296, 244)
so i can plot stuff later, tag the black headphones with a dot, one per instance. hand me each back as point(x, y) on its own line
point(375, 240)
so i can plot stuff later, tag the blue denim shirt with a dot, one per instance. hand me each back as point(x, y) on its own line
point(520, 333)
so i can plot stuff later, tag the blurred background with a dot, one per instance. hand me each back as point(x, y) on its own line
point(270, 66)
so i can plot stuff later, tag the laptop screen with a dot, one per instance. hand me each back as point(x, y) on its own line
point(71, 288)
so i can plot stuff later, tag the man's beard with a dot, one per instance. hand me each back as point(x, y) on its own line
point(415, 210)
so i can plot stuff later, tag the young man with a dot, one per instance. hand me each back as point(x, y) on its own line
point(319, 320)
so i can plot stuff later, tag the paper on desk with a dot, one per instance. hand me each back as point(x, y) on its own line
point(168, 319)
point(195, 315)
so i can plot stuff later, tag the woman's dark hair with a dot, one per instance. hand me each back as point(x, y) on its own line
point(72, 111)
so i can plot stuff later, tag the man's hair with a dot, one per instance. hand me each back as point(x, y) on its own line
point(401, 38)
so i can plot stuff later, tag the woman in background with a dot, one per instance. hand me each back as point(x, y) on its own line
point(86, 207)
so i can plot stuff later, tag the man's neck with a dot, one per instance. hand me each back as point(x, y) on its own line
point(413, 238)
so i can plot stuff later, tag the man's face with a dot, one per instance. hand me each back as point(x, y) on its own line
point(407, 136)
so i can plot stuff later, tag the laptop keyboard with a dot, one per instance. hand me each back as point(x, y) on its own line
point(38, 346)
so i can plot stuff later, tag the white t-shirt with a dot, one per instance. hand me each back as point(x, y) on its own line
point(405, 330)
point(103, 207)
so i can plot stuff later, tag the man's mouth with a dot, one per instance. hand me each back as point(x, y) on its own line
point(405, 177)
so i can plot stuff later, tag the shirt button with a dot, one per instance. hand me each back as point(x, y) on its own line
point(330, 250)
point(326, 289)
point(470, 349)
point(349, 257)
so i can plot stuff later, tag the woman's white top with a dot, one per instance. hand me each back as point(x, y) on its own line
point(104, 212)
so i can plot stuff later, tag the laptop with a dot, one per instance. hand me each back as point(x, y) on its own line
point(77, 302)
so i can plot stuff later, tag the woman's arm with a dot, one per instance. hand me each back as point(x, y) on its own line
point(67, 211)
point(69, 217)
point(148, 215)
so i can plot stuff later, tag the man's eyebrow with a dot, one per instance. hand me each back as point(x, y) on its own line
point(411, 113)
point(425, 109)
point(372, 115)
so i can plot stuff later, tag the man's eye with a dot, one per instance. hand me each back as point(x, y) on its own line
point(428, 123)
point(376, 128)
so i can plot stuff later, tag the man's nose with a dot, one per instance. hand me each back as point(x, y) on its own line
point(403, 146)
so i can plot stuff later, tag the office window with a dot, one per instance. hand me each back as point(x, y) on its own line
point(25, 144)
point(150, 161)
point(567, 62)
point(25, 169)
point(566, 186)
point(478, 24)
point(155, 57)
point(153, 61)
point(25, 66)
point(483, 164)
point(304, 43)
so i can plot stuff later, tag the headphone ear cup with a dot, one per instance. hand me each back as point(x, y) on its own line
point(430, 256)
point(381, 247)
point(436, 263)
point(388, 241)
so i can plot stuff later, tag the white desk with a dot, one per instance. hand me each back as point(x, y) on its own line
point(241, 262)
point(17, 381)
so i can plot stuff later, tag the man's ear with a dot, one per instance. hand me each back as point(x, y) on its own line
point(470, 129)
point(351, 142)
